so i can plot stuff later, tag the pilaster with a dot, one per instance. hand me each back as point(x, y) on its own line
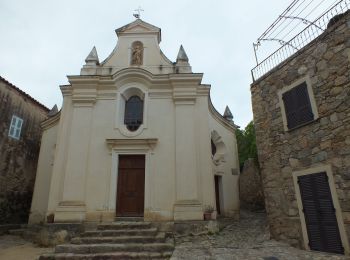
point(187, 205)
point(72, 207)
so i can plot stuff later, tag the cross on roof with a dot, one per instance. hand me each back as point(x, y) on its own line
point(138, 14)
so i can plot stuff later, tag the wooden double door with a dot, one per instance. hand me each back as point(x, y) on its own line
point(131, 186)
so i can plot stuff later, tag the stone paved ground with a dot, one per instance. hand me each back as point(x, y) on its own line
point(15, 248)
point(246, 239)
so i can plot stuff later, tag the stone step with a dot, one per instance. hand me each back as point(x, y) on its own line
point(4, 228)
point(106, 248)
point(107, 256)
point(159, 238)
point(124, 225)
point(17, 232)
point(121, 232)
point(128, 219)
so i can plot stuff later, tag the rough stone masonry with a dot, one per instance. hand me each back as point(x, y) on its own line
point(18, 157)
point(325, 141)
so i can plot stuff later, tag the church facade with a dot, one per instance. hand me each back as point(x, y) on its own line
point(137, 136)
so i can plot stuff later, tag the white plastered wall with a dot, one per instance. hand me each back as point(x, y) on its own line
point(43, 176)
point(228, 168)
point(103, 161)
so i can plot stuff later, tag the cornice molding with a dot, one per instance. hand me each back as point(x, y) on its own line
point(51, 121)
point(130, 144)
point(178, 79)
point(185, 79)
point(181, 93)
point(66, 90)
point(83, 80)
point(85, 89)
point(219, 118)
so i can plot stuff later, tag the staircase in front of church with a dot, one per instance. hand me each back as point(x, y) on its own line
point(118, 240)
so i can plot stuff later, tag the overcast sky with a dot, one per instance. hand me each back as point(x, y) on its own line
point(43, 41)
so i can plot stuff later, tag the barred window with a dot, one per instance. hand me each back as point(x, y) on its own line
point(133, 116)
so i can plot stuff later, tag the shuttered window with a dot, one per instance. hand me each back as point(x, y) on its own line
point(133, 116)
point(15, 127)
point(321, 222)
point(297, 106)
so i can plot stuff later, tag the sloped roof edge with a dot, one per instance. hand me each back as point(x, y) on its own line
point(139, 21)
point(36, 102)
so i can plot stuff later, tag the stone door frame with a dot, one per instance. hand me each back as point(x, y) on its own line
point(129, 147)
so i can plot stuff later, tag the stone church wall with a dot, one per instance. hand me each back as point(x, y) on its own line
point(325, 141)
point(18, 158)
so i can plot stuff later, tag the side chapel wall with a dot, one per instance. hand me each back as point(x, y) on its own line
point(226, 165)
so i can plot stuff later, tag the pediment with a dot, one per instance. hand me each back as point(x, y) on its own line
point(131, 144)
point(138, 26)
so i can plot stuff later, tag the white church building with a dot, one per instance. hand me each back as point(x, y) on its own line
point(137, 136)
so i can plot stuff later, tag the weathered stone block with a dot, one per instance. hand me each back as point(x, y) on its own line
point(321, 156)
point(340, 80)
point(294, 162)
point(334, 117)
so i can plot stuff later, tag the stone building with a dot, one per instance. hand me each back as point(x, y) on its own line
point(20, 134)
point(302, 119)
point(137, 136)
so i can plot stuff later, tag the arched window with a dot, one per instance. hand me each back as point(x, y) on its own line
point(133, 116)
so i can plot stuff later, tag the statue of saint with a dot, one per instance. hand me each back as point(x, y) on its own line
point(137, 53)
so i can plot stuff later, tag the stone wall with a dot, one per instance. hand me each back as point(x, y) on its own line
point(18, 158)
point(325, 141)
point(250, 187)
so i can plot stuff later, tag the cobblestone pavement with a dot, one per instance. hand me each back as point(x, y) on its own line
point(15, 248)
point(245, 239)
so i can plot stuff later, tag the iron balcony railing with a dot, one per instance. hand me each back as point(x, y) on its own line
point(312, 31)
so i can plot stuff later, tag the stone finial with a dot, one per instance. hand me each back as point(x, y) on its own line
point(182, 65)
point(182, 56)
point(53, 111)
point(92, 58)
point(227, 114)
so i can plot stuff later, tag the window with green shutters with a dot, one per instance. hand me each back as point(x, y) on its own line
point(15, 127)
